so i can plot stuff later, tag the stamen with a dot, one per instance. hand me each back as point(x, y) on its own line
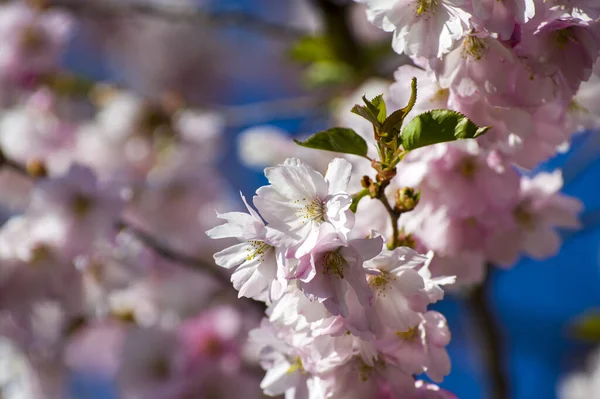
point(296, 366)
point(312, 211)
point(381, 282)
point(474, 47)
point(334, 263)
point(257, 248)
point(410, 335)
point(425, 6)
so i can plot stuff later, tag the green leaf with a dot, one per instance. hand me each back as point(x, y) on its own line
point(438, 126)
point(337, 139)
point(587, 328)
point(394, 122)
point(379, 105)
point(374, 110)
point(363, 111)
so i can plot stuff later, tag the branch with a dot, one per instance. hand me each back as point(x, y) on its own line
point(174, 255)
point(490, 337)
point(336, 17)
point(177, 13)
point(150, 241)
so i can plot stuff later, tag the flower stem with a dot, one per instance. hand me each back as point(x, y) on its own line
point(394, 217)
point(490, 340)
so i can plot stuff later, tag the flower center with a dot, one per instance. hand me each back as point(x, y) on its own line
point(563, 37)
point(39, 254)
point(523, 217)
point(440, 95)
point(467, 167)
point(474, 47)
point(381, 282)
point(425, 6)
point(257, 248)
point(409, 335)
point(81, 205)
point(296, 366)
point(334, 263)
point(312, 211)
point(365, 372)
point(32, 39)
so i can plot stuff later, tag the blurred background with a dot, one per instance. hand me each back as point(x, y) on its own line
point(261, 66)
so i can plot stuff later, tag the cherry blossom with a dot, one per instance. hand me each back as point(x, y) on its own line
point(300, 201)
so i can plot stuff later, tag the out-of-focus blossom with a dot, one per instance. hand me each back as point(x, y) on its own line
point(582, 384)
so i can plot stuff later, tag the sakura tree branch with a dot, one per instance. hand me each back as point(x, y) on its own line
point(146, 238)
point(15, 166)
point(177, 13)
point(336, 18)
point(490, 339)
point(174, 255)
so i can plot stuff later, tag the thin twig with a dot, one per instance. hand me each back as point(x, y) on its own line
point(491, 342)
point(178, 13)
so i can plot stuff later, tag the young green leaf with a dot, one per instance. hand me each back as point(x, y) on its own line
point(438, 126)
point(379, 108)
point(374, 110)
point(366, 113)
point(337, 139)
point(393, 123)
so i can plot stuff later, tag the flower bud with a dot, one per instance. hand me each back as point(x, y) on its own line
point(407, 199)
point(366, 182)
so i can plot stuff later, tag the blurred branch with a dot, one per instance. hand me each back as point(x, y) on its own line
point(15, 166)
point(174, 255)
point(490, 339)
point(177, 13)
point(146, 238)
point(336, 18)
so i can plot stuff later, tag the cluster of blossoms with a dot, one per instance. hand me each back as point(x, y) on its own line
point(107, 196)
point(468, 206)
point(347, 317)
point(520, 66)
point(528, 69)
point(97, 184)
point(515, 65)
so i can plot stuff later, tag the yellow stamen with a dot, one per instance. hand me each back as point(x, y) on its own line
point(334, 263)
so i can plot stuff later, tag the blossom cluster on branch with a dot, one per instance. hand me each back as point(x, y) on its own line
point(108, 210)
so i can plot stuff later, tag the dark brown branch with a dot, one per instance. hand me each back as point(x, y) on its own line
point(491, 340)
point(178, 13)
point(16, 167)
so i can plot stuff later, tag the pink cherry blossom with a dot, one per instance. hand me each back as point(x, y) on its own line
point(256, 274)
point(300, 201)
